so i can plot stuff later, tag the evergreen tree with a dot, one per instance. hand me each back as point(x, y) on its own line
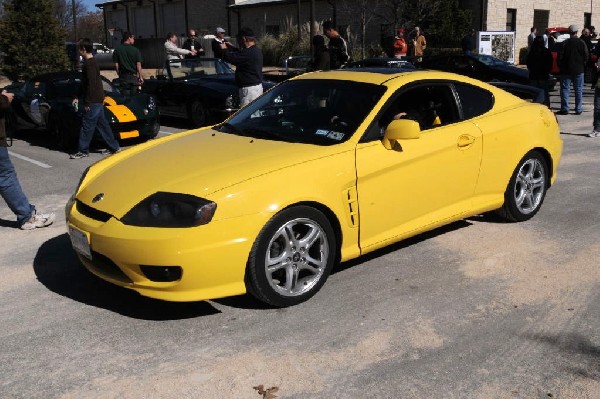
point(31, 39)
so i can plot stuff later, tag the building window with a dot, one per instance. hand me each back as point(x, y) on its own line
point(511, 19)
point(540, 20)
point(272, 30)
point(587, 19)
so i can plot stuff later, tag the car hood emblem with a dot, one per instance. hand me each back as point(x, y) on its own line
point(98, 197)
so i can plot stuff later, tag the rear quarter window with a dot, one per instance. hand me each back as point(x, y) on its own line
point(474, 100)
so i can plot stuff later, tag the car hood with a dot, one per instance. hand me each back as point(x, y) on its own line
point(198, 163)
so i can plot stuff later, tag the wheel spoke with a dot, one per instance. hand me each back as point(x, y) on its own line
point(309, 239)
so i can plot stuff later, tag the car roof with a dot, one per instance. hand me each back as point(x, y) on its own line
point(382, 75)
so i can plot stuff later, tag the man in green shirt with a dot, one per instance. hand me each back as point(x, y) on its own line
point(128, 63)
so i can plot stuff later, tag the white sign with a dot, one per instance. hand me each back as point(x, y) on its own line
point(497, 44)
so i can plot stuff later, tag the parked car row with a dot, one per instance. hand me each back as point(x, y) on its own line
point(44, 103)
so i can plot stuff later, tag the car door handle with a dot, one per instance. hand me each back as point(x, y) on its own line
point(465, 141)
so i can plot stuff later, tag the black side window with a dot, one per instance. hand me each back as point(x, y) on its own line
point(474, 101)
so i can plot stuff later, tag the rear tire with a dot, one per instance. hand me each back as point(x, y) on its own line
point(527, 189)
point(198, 114)
point(292, 257)
point(61, 137)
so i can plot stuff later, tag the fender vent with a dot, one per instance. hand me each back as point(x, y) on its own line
point(351, 198)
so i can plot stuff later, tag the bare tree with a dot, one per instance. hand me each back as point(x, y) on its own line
point(361, 10)
point(64, 15)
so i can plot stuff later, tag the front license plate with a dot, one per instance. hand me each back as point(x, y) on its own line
point(128, 135)
point(80, 242)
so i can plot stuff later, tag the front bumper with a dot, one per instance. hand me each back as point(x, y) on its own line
point(212, 257)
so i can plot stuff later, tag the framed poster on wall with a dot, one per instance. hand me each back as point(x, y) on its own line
point(497, 44)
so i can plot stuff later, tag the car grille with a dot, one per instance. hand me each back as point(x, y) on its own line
point(107, 267)
point(92, 213)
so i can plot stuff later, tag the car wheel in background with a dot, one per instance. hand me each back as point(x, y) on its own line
point(527, 188)
point(292, 257)
point(198, 114)
point(62, 138)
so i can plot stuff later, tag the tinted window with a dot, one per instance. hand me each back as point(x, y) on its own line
point(323, 112)
point(475, 101)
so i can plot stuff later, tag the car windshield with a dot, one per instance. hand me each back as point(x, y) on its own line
point(71, 87)
point(489, 60)
point(323, 112)
point(196, 67)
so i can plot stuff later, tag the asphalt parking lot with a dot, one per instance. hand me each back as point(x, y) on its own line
point(477, 309)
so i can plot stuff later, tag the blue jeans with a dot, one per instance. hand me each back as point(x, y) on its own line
point(11, 191)
point(565, 91)
point(92, 119)
point(597, 109)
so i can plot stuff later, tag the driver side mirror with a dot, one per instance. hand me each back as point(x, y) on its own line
point(400, 129)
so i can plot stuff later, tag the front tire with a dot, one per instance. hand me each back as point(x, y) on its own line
point(527, 188)
point(292, 257)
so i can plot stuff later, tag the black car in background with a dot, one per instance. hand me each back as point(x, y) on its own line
point(481, 66)
point(380, 62)
point(44, 103)
point(201, 90)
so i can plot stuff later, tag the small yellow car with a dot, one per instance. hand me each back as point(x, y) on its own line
point(322, 168)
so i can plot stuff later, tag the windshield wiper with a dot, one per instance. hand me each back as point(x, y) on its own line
point(231, 129)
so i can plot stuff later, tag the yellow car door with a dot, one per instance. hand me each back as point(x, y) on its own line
point(424, 181)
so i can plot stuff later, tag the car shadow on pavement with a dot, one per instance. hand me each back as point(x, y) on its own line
point(58, 268)
point(461, 224)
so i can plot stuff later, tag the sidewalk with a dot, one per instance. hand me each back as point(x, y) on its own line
point(579, 125)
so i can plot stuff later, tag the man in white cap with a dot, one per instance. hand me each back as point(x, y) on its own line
point(216, 42)
point(571, 60)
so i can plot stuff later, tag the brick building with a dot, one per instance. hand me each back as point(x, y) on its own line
point(154, 18)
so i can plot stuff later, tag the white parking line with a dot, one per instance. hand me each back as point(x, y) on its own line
point(33, 161)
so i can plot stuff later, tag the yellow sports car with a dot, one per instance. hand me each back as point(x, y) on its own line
point(322, 168)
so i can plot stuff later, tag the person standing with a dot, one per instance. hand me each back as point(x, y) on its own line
point(531, 37)
point(93, 104)
point(596, 130)
point(419, 44)
point(539, 64)
point(248, 60)
point(174, 52)
point(191, 43)
point(400, 46)
point(468, 42)
point(571, 60)
point(338, 50)
point(215, 44)
point(10, 188)
point(128, 64)
point(321, 60)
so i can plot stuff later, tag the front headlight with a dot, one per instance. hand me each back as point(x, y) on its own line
point(171, 210)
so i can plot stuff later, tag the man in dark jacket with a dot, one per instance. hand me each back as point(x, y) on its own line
point(571, 60)
point(93, 104)
point(191, 43)
point(539, 64)
point(338, 49)
point(248, 60)
point(10, 188)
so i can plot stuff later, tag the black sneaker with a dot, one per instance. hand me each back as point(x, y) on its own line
point(562, 113)
point(79, 154)
point(106, 151)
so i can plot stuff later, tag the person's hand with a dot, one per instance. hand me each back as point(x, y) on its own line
point(75, 101)
point(140, 80)
point(223, 45)
point(400, 115)
point(87, 108)
point(9, 96)
point(201, 51)
point(194, 52)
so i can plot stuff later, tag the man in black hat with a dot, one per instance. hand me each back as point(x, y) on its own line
point(248, 59)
